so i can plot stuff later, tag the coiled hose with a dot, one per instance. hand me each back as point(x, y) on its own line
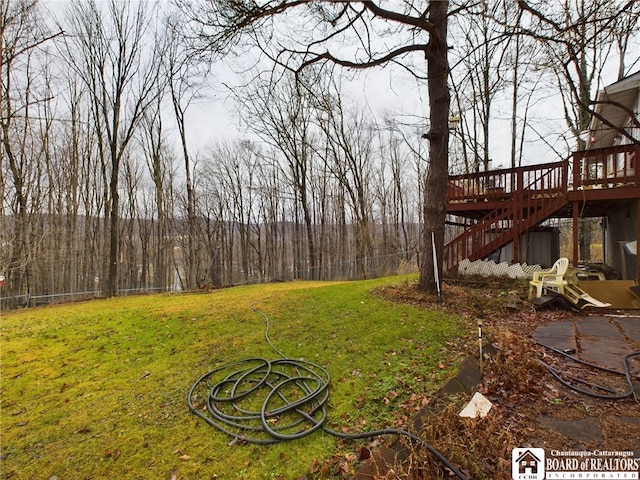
point(262, 401)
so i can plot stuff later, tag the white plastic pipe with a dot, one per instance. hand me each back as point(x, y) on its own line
point(435, 263)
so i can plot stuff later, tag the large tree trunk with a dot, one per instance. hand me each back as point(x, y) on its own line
point(111, 285)
point(435, 191)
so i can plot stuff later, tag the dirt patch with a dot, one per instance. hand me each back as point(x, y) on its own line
point(531, 408)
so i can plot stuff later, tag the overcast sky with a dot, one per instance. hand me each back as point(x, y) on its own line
point(389, 91)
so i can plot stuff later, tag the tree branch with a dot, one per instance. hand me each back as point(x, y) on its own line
point(8, 59)
point(419, 22)
point(328, 56)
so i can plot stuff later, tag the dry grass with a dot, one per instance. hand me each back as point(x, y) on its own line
point(520, 389)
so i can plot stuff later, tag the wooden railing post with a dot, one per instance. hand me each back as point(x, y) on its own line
point(637, 231)
point(518, 216)
point(577, 169)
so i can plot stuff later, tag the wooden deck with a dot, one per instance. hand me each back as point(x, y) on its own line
point(497, 206)
point(591, 176)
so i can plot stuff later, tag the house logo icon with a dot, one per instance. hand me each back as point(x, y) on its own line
point(527, 464)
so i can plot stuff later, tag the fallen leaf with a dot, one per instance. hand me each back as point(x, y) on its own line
point(344, 466)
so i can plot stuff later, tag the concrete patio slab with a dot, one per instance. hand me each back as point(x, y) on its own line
point(604, 341)
point(585, 430)
point(599, 327)
point(631, 327)
point(604, 353)
point(559, 335)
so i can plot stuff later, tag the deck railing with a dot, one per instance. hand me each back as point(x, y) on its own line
point(595, 168)
point(605, 167)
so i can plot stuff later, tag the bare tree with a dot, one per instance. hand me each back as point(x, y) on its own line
point(351, 144)
point(479, 76)
point(129, 249)
point(213, 205)
point(276, 194)
point(282, 116)
point(524, 82)
point(624, 31)
point(402, 191)
point(106, 48)
point(489, 65)
point(22, 92)
point(234, 166)
point(185, 76)
point(412, 27)
point(577, 37)
point(159, 161)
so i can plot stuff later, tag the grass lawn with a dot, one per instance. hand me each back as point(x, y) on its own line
point(98, 389)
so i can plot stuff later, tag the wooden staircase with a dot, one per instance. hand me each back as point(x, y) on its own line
point(527, 198)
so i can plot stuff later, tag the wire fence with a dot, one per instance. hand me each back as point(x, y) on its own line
point(355, 269)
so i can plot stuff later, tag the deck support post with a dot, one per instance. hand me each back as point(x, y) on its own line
point(637, 237)
point(575, 208)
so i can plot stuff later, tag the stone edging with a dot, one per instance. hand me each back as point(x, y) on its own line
point(465, 382)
